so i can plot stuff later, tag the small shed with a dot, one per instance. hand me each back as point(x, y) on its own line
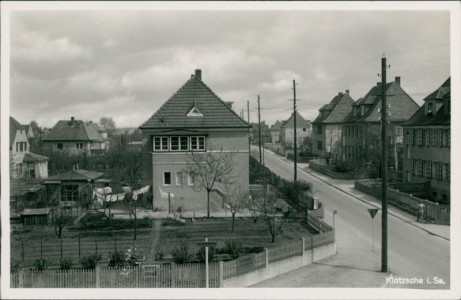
point(36, 216)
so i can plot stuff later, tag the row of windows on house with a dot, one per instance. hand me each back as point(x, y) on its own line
point(179, 143)
point(179, 179)
point(431, 169)
point(60, 146)
point(431, 137)
point(356, 130)
point(21, 146)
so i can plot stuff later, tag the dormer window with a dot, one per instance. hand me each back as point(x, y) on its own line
point(429, 108)
point(363, 110)
point(194, 111)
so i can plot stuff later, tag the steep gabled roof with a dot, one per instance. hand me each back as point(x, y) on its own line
point(173, 113)
point(335, 111)
point(300, 122)
point(14, 127)
point(441, 117)
point(276, 126)
point(73, 130)
point(400, 105)
point(78, 175)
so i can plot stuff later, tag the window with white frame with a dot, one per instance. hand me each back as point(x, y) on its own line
point(197, 143)
point(190, 180)
point(79, 146)
point(167, 178)
point(179, 179)
point(161, 143)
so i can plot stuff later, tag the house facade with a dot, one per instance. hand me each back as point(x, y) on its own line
point(275, 132)
point(303, 131)
point(23, 163)
point(427, 144)
point(362, 127)
point(76, 137)
point(327, 128)
point(193, 120)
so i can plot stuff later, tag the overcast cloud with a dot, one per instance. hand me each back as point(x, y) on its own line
point(125, 65)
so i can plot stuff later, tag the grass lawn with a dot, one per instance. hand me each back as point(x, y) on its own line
point(34, 242)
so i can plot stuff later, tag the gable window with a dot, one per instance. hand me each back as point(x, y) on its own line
point(363, 110)
point(197, 143)
point(167, 178)
point(161, 143)
point(179, 179)
point(80, 146)
point(59, 146)
point(429, 107)
point(21, 146)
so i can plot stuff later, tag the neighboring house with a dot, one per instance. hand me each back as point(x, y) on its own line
point(73, 188)
point(76, 136)
point(327, 127)
point(303, 131)
point(362, 127)
point(23, 163)
point(265, 133)
point(275, 132)
point(427, 144)
point(194, 119)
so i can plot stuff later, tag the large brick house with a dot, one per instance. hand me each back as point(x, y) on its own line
point(76, 137)
point(426, 142)
point(194, 119)
point(362, 127)
point(327, 127)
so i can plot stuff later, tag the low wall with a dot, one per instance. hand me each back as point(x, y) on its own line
point(324, 170)
point(281, 267)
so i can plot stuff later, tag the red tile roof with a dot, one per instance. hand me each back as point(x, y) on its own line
point(78, 175)
point(73, 130)
point(336, 111)
point(173, 113)
point(300, 122)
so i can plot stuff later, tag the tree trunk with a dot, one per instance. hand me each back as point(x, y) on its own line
point(208, 204)
point(233, 221)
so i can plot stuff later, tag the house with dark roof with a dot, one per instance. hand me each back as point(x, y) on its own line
point(23, 163)
point(362, 127)
point(76, 136)
point(328, 126)
point(275, 131)
point(426, 142)
point(73, 188)
point(194, 119)
point(303, 130)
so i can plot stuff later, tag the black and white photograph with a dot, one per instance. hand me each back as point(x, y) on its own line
point(230, 150)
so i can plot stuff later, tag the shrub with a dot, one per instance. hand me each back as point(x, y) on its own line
point(200, 254)
point(117, 259)
point(91, 261)
point(255, 250)
point(14, 266)
point(65, 264)
point(159, 254)
point(40, 264)
point(181, 254)
point(233, 248)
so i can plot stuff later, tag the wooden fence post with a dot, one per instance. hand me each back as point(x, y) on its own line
point(98, 276)
point(21, 277)
point(303, 244)
point(22, 249)
point(173, 275)
point(79, 246)
point(221, 273)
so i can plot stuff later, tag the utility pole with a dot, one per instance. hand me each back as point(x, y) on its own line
point(259, 127)
point(383, 167)
point(248, 111)
point(295, 176)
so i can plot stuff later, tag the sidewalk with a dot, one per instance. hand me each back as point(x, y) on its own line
point(347, 186)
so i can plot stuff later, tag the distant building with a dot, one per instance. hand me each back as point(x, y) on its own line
point(327, 128)
point(265, 133)
point(275, 131)
point(194, 119)
point(362, 127)
point(426, 142)
point(303, 131)
point(76, 137)
point(23, 163)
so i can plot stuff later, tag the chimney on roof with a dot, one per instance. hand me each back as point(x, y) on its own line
point(397, 79)
point(340, 93)
point(72, 121)
point(198, 73)
point(347, 92)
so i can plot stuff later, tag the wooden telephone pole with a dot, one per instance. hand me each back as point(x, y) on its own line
point(295, 138)
point(259, 129)
point(383, 167)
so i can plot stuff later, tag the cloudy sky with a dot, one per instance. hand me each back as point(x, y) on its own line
point(124, 65)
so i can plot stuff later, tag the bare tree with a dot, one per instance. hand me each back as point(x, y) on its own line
point(298, 194)
point(61, 221)
point(208, 168)
point(236, 200)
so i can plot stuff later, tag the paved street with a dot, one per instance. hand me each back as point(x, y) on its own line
point(417, 252)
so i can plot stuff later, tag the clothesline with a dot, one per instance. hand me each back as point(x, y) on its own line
point(105, 194)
